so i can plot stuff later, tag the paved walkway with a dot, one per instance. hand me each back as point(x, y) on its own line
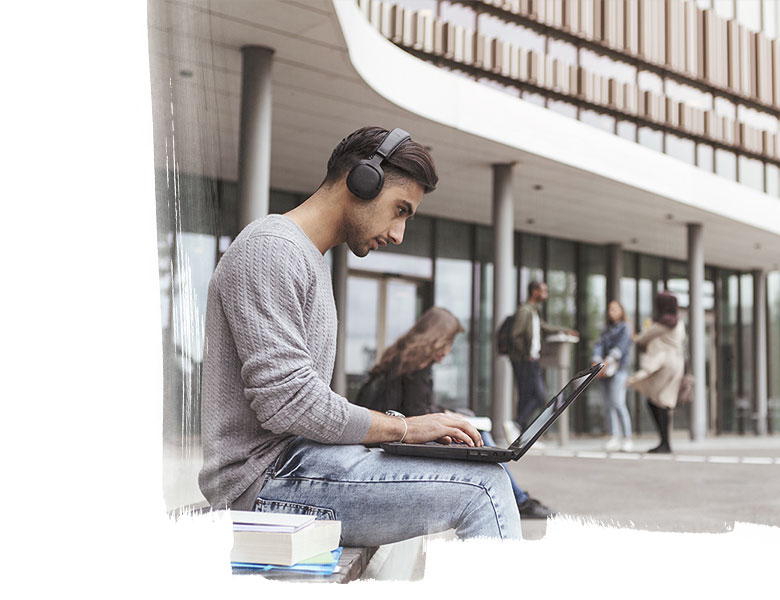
point(703, 487)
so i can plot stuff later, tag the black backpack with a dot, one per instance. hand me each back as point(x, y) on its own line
point(504, 335)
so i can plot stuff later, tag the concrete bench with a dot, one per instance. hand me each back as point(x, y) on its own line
point(352, 563)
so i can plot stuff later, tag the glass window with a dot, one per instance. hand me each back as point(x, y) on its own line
point(705, 157)
point(602, 121)
point(725, 108)
point(523, 37)
point(681, 148)
point(749, 13)
point(704, 3)
point(651, 82)
point(773, 322)
point(757, 119)
point(726, 164)
point(564, 108)
point(689, 95)
point(563, 51)
point(484, 270)
point(627, 129)
point(724, 8)
point(607, 67)
point(746, 358)
point(628, 286)
point(457, 14)
point(592, 312)
point(772, 180)
point(531, 261)
point(649, 283)
point(751, 173)
point(651, 138)
point(770, 18)
point(728, 355)
point(678, 282)
point(453, 291)
point(429, 5)
point(361, 326)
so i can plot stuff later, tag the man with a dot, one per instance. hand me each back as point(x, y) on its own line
point(526, 347)
point(275, 437)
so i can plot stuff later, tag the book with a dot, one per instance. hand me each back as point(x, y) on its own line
point(321, 564)
point(247, 520)
point(282, 548)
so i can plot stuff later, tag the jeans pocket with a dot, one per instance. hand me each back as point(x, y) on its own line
point(294, 508)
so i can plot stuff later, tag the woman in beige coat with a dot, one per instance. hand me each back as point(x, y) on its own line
point(661, 364)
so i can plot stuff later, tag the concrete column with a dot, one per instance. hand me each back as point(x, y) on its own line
point(614, 271)
point(339, 383)
point(254, 152)
point(696, 330)
point(760, 400)
point(503, 297)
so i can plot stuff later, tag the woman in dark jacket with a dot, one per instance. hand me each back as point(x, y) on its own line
point(402, 381)
point(612, 348)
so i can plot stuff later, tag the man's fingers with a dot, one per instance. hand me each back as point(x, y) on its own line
point(470, 431)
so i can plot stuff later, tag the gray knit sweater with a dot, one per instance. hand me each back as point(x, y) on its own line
point(270, 348)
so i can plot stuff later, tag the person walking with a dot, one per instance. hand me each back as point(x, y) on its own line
point(526, 348)
point(612, 348)
point(401, 381)
point(661, 364)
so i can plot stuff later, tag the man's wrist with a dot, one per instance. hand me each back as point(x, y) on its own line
point(395, 413)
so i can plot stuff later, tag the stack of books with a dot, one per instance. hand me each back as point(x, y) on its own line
point(264, 541)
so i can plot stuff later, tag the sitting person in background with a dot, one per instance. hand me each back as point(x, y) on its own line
point(402, 381)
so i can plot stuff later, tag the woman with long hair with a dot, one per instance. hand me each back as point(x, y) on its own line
point(402, 381)
point(661, 364)
point(612, 348)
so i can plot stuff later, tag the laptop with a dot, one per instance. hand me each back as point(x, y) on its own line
point(521, 445)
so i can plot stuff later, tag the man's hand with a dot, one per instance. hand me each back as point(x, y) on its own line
point(442, 427)
point(445, 428)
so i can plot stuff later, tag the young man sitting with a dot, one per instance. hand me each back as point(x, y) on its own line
point(275, 436)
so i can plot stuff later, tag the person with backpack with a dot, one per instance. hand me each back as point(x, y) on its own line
point(527, 330)
point(401, 380)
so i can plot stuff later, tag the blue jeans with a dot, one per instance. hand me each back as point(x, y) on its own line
point(531, 393)
point(520, 495)
point(380, 498)
point(613, 389)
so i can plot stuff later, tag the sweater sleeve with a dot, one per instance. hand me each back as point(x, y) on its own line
point(264, 293)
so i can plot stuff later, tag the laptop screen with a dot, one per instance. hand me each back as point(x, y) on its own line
point(553, 408)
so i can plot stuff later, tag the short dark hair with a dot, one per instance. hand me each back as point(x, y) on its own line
point(533, 286)
point(410, 161)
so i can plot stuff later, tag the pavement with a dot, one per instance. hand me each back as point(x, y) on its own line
point(703, 486)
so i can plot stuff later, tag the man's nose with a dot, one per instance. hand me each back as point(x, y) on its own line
point(396, 233)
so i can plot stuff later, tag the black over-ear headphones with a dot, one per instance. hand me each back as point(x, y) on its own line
point(366, 178)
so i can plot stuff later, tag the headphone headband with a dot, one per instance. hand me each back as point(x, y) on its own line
point(391, 142)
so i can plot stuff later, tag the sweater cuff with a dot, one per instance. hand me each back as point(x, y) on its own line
point(358, 422)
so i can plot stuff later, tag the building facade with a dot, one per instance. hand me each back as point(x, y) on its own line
point(695, 81)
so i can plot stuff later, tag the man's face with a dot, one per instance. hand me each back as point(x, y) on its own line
point(382, 221)
point(541, 293)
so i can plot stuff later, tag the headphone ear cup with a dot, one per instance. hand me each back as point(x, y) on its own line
point(365, 180)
